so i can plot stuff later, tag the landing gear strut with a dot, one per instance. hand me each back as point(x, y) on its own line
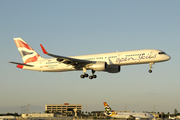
point(84, 71)
point(93, 76)
point(150, 67)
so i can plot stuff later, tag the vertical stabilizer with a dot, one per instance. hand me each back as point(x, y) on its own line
point(106, 107)
point(27, 53)
point(108, 110)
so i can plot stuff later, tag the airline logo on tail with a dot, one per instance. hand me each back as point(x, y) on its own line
point(27, 53)
point(109, 111)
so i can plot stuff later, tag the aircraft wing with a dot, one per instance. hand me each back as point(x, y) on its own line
point(77, 63)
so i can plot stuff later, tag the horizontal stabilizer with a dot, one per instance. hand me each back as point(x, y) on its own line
point(20, 64)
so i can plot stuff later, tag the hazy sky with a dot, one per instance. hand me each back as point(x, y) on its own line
point(69, 28)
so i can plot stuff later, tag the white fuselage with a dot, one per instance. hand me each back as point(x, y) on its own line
point(136, 115)
point(115, 58)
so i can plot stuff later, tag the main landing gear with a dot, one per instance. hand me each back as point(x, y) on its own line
point(150, 67)
point(86, 75)
point(92, 76)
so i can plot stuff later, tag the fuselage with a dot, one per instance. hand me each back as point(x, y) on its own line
point(127, 115)
point(115, 58)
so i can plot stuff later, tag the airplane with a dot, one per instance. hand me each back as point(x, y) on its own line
point(172, 118)
point(107, 62)
point(7, 117)
point(125, 115)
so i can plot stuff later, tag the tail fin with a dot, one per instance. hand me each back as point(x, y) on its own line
point(107, 108)
point(109, 111)
point(27, 53)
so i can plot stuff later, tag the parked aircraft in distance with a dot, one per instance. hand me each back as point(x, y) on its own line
point(7, 118)
point(107, 62)
point(126, 115)
point(172, 118)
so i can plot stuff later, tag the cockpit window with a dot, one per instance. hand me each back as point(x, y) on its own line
point(161, 53)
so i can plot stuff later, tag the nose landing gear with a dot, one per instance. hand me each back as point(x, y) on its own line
point(150, 67)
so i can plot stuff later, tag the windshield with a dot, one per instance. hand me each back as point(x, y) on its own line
point(161, 53)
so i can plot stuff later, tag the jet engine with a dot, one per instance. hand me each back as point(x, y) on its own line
point(98, 66)
point(113, 69)
point(137, 118)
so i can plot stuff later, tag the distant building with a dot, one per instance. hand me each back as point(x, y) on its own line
point(64, 108)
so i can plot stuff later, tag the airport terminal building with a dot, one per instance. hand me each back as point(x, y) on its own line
point(63, 108)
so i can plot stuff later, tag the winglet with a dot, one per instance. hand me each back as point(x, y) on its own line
point(43, 49)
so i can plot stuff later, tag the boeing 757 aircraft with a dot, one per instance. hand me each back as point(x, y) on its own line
point(107, 62)
point(111, 113)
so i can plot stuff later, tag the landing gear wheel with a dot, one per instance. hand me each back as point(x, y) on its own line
point(86, 75)
point(82, 76)
point(90, 77)
point(94, 76)
point(150, 71)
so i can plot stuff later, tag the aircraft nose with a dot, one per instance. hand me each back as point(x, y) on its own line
point(151, 116)
point(168, 57)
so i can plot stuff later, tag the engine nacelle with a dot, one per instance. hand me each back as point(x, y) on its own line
point(137, 118)
point(113, 69)
point(98, 66)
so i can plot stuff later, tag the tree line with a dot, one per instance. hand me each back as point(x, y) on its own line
point(10, 114)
